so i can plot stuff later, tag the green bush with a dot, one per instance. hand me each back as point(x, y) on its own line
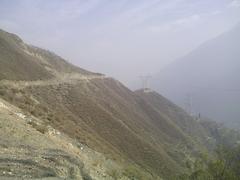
point(114, 174)
point(224, 167)
point(133, 173)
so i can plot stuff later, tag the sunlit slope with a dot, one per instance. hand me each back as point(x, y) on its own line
point(145, 130)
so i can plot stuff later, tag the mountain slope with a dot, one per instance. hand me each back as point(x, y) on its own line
point(209, 77)
point(143, 130)
point(26, 152)
point(19, 61)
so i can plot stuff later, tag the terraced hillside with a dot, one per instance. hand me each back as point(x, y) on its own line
point(144, 131)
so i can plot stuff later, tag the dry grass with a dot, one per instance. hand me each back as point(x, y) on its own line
point(102, 114)
point(109, 119)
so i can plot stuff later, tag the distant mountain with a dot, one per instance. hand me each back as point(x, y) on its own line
point(207, 80)
point(140, 134)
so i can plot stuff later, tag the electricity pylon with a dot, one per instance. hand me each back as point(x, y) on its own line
point(189, 104)
point(145, 82)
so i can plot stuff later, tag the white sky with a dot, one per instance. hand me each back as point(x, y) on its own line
point(121, 38)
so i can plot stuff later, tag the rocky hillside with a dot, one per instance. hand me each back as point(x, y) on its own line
point(29, 149)
point(142, 133)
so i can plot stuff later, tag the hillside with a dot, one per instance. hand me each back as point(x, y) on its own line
point(30, 149)
point(207, 78)
point(143, 133)
point(19, 61)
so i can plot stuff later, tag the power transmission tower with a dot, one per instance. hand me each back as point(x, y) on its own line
point(189, 104)
point(145, 83)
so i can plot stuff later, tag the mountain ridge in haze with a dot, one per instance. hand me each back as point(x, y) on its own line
point(207, 77)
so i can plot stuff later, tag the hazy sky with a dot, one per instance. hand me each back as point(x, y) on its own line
point(121, 38)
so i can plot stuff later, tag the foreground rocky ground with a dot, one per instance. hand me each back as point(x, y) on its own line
point(30, 150)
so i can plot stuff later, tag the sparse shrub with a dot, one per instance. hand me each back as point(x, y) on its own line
point(14, 91)
point(133, 173)
point(39, 127)
point(27, 101)
point(96, 162)
point(34, 112)
point(85, 174)
point(49, 118)
point(10, 98)
point(114, 174)
point(224, 167)
point(2, 92)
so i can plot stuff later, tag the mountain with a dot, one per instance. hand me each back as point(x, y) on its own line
point(207, 80)
point(86, 125)
point(24, 62)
